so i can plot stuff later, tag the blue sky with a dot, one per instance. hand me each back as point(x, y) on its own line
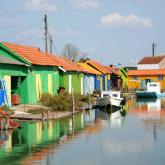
point(110, 31)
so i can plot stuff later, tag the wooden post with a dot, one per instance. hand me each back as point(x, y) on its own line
point(73, 103)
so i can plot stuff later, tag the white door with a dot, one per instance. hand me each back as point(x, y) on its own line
point(82, 84)
point(70, 84)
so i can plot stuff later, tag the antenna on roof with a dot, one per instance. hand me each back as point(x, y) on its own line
point(153, 49)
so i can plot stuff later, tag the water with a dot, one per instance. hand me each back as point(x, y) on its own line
point(91, 138)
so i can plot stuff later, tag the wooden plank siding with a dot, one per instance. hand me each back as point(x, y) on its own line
point(134, 82)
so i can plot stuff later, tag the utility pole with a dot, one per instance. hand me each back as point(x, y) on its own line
point(51, 43)
point(46, 33)
point(153, 49)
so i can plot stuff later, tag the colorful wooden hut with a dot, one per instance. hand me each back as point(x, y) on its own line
point(13, 72)
point(103, 81)
point(71, 76)
point(116, 80)
point(38, 75)
point(137, 79)
point(89, 80)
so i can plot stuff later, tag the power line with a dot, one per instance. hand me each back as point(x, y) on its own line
point(19, 32)
point(27, 39)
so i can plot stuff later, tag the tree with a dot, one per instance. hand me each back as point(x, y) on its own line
point(70, 51)
point(84, 59)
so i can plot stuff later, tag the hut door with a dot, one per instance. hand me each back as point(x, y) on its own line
point(70, 84)
point(8, 87)
point(143, 84)
point(91, 85)
point(82, 85)
point(49, 83)
point(101, 83)
point(38, 86)
point(109, 82)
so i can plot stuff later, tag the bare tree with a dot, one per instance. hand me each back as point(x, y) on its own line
point(70, 51)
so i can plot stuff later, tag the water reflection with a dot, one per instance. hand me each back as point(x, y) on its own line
point(151, 113)
point(91, 137)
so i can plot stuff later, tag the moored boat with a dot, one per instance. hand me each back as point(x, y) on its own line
point(111, 98)
point(152, 91)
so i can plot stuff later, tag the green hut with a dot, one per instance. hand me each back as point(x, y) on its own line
point(123, 77)
point(37, 72)
point(71, 77)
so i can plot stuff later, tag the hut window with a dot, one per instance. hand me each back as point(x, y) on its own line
point(134, 77)
point(160, 77)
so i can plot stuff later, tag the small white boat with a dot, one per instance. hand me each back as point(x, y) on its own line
point(111, 98)
point(152, 91)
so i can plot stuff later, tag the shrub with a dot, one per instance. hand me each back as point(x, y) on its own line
point(64, 102)
point(47, 99)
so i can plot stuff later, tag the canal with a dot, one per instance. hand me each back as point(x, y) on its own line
point(91, 138)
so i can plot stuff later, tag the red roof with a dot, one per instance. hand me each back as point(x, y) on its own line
point(37, 57)
point(113, 70)
point(98, 66)
point(146, 72)
point(67, 64)
point(152, 60)
point(32, 54)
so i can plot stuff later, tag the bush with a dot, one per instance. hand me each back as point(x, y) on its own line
point(64, 102)
point(47, 99)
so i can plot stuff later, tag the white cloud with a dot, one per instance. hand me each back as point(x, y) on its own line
point(85, 4)
point(41, 5)
point(115, 19)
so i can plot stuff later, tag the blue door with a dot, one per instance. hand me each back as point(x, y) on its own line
point(109, 85)
point(143, 84)
point(103, 82)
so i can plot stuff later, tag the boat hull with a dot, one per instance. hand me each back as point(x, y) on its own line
point(146, 94)
point(109, 102)
point(116, 102)
point(104, 101)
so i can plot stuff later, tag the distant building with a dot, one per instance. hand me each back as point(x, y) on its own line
point(152, 62)
point(128, 68)
point(138, 79)
point(150, 69)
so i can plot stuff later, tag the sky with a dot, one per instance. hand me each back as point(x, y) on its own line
point(109, 31)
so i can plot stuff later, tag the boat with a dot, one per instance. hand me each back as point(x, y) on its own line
point(152, 91)
point(111, 99)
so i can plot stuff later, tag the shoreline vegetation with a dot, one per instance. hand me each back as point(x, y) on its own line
point(62, 103)
point(51, 107)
